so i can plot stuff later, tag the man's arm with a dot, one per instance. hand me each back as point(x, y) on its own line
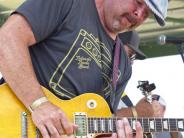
point(143, 109)
point(124, 112)
point(15, 63)
point(16, 67)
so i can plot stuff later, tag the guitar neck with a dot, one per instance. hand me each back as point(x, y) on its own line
point(107, 125)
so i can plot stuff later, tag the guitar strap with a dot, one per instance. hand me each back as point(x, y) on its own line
point(116, 63)
point(2, 81)
point(116, 60)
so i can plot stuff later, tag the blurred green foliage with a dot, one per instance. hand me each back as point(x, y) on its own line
point(3, 19)
point(6, 6)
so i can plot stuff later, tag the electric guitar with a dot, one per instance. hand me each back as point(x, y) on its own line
point(89, 111)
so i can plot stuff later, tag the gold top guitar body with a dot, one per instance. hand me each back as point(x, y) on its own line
point(15, 121)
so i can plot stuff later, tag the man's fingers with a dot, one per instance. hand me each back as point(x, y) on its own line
point(68, 127)
point(139, 131)
point(120, 129)
point(128, 129)
point(52, 120)
point(124, 130)
point(43, 131)
point(58, 125)
point(52, 130)
point(114, 135)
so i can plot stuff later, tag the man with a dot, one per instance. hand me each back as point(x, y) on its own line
point(70, 45)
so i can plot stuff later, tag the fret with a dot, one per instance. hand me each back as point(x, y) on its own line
point(168, 124)
point(140, 120)
point(173, 124)
point(106, 125)
point(165, 123)
point(130, 122)
point(152, 124)
point(149, 125)
point(146, 125)
point(180, 124)
point(92, 125)
point(99, 125)
point(176, 124)
point(158, 125)
point(89, 126)
point(114, 124)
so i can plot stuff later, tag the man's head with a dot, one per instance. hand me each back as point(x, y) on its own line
point(131, 42)
point(120, 15)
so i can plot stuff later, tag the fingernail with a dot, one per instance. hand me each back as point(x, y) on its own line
point(138, 124)
point(125, 120)
point(119, 123)
point(114, 135)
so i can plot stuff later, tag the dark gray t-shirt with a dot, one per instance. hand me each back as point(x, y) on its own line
point(73, 54)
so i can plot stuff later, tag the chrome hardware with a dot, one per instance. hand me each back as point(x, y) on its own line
point(24, 125)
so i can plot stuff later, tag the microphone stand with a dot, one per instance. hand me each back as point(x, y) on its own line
point(180, 49)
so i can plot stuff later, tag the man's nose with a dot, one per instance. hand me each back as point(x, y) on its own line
point(141, 13)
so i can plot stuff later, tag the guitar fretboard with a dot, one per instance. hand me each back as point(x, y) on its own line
point(108, 125)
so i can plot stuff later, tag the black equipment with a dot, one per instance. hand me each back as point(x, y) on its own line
point(146, 89)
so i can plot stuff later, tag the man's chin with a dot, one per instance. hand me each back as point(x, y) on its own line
point(121, 29)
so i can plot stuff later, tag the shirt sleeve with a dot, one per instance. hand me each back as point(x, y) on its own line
point(44, 16)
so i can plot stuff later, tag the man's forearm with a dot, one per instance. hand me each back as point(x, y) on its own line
point(15, 63)
point(124, 112)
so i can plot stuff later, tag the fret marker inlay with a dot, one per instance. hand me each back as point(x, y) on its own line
point(165, 123)
point(102, 125)
point(152, 124)
point(110, 125)
point(133, 124)
point(95, 125)
point(180, 124)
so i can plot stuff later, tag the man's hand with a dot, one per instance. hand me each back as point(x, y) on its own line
point(52, 121)
point(124, 130)
point(145, 109)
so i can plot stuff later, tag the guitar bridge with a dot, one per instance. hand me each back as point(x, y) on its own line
point(80, 119)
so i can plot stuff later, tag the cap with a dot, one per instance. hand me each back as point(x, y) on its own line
point(132, 39)
point(159, 9)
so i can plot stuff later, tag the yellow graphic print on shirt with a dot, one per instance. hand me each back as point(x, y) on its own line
point(85, 50)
